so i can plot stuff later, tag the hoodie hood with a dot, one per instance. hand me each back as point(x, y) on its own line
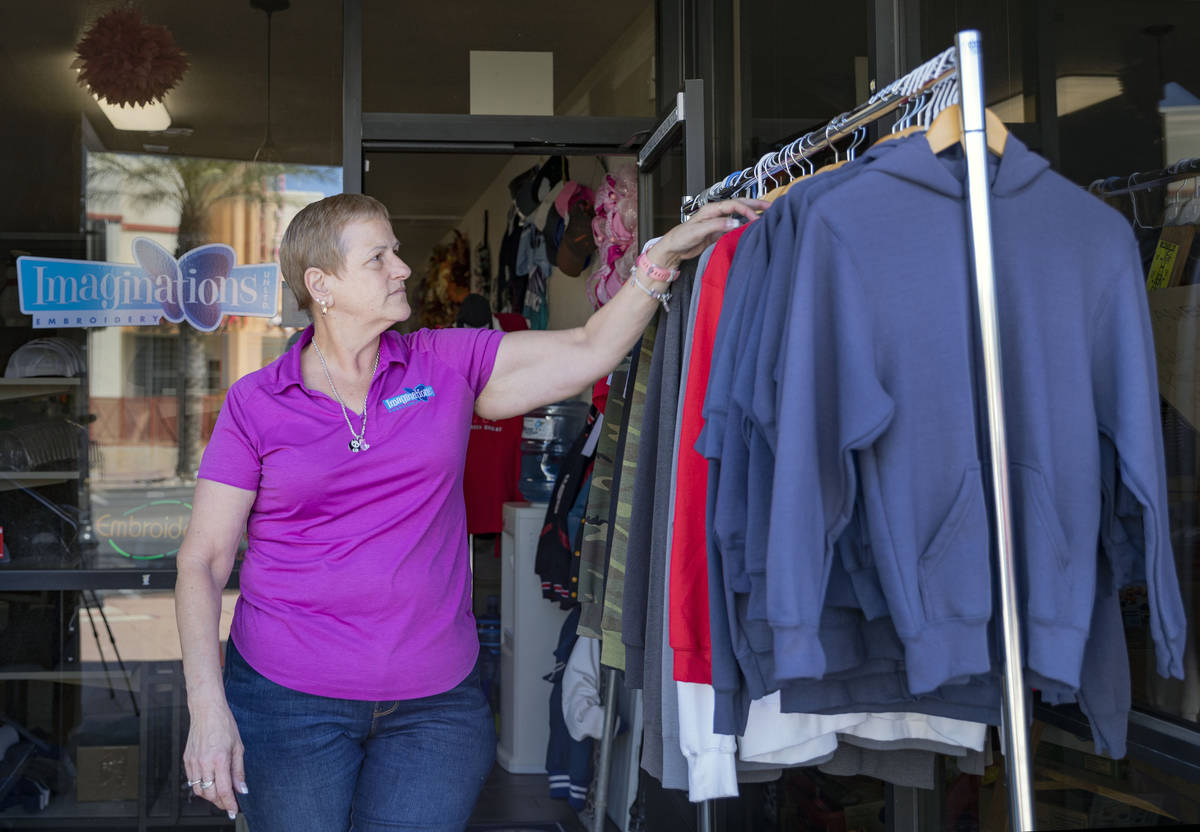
point(914, 161)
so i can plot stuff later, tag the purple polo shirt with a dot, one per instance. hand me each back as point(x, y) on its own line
point(356, 583)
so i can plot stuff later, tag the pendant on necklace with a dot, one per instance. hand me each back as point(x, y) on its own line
point(355, 445)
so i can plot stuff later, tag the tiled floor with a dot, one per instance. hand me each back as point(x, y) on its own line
point(517, 798)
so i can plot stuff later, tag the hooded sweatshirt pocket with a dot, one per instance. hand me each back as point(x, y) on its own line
point(954, 573)
point(1042, 551)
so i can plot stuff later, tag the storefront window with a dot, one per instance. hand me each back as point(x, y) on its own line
point(103, 426)
point(1132, 116)
point(155, 391)
point(1124, 82)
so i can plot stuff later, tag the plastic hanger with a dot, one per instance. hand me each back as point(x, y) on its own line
point(860, 136)
point(1189, 214)
point(763, 174)
point(1137, 221)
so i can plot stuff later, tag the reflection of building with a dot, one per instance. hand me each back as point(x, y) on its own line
point(135, 372)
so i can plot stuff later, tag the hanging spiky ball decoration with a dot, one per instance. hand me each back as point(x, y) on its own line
point(127, 61)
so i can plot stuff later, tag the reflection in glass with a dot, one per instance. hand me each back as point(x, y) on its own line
point(155, 391)
point(1165, 225)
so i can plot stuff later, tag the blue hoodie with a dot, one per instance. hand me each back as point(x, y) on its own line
point(878, 389)
point(748, 340)
point(868, 655)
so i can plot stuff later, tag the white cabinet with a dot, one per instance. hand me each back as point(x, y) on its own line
point(529, 627)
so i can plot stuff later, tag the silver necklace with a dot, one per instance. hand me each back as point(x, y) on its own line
point(359, 442)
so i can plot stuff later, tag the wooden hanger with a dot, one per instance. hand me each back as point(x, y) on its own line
point(947, 131)
point(775, 193)
point(831, 166)
point(899, 134)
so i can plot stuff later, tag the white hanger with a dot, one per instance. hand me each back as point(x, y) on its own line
point(1137, 221)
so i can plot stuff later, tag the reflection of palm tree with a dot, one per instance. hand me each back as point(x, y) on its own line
point(193, 187)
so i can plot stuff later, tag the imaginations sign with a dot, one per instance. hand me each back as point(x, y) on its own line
point(201, 288)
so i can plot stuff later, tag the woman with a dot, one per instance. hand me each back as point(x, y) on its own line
point(348, 696)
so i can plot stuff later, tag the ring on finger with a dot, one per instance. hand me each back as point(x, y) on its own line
point(207, 784)
point(193, 783)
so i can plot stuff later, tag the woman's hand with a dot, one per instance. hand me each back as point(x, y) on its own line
point(705, 227)
point(213, 757)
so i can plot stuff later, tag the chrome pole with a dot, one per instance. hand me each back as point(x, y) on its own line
point(970, 68)
point(600, 803)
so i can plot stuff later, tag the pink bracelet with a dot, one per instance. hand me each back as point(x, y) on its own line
point(662, 297)
point(656, 272)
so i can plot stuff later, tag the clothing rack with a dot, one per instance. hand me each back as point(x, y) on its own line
point(1146, 181)
point(963, 61)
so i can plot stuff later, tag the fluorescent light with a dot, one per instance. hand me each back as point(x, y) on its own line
point(1074, 93)
point(152, 116)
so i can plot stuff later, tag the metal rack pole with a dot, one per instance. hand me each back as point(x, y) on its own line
point(970, 68)
point(600, 803)
point(1135, 182)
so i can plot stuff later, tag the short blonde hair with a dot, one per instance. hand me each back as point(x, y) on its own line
point(314, 237)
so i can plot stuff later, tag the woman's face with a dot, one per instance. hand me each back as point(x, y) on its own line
point(370, 285)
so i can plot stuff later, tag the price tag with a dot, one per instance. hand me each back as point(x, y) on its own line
point(1170, 257)
point(1162, 266)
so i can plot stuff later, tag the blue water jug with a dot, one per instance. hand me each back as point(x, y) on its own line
point(488, 628)
point(546, 436)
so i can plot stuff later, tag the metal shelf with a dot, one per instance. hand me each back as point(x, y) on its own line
point(26, 388)
point(13, 580)
point(12, 480)
point(115, 679)
point(65, 807)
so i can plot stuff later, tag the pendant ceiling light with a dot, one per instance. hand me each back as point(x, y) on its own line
point(128, 66)
point(267, 152)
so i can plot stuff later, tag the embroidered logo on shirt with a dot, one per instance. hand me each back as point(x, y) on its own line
point(411, 395)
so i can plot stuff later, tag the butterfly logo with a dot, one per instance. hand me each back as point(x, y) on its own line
point(190, 288)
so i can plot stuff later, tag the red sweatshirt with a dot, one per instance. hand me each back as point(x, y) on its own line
point(689, 633)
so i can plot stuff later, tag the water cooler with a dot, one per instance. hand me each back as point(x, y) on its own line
point(529, 627)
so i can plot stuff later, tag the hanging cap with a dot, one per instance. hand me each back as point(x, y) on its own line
point(578, 243)
point(518, 189)
point(534, 190)
point(475, 312)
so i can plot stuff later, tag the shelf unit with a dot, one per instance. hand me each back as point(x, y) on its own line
point(14, 389)
point(113, 678)
point(12, 480)
point(163, 803)
point(24, 388)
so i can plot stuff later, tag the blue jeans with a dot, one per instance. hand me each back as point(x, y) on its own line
point(329, 765)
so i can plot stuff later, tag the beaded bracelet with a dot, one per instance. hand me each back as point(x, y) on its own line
point(661, 297)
